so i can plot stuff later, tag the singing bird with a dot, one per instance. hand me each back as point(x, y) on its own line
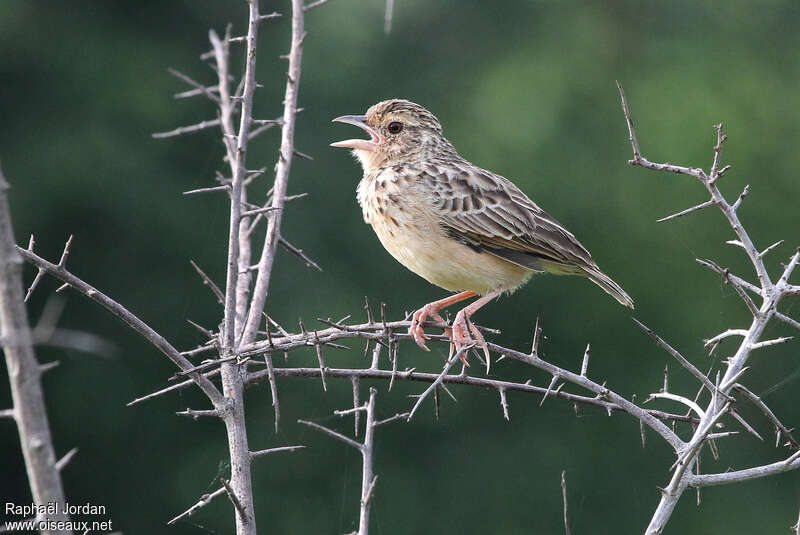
point(460, 227)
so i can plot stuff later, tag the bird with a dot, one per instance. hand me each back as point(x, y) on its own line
point(460, 227)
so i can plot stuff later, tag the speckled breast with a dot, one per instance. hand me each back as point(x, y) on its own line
point(407, 227)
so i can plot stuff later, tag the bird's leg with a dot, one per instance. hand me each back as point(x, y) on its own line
point(432, 310)
point(465, 332)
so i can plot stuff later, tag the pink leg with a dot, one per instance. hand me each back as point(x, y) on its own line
point(465, 333)
point(432, 310)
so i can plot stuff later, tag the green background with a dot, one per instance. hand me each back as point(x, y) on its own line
point(525, 89)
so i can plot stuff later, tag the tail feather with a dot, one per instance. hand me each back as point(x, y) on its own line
point(611, 287)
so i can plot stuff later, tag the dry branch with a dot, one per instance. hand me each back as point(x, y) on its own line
point(239, 488)
point(771, 295)
point(24, 374)
point(564, 499)
point(125, 315)
point(366, 448)
point(286, 152)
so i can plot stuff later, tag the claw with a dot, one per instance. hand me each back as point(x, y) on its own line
point(480, 341)
point(416, 331)
point(465, 333)
point(432, 310)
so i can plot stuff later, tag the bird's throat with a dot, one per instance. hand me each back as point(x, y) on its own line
point(369, 160)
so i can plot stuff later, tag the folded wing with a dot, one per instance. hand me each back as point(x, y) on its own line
point(489, 213)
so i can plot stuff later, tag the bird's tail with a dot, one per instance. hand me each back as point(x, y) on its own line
point(611, 287)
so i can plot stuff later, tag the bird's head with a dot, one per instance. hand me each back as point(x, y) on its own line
point(400, 131)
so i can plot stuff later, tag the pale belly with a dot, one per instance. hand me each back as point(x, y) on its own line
point(425, 249)
point(401, 216)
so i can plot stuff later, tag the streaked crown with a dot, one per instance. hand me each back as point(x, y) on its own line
point(398, 109)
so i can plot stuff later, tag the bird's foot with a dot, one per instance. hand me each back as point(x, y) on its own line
point(465, 334)
point(418, 318)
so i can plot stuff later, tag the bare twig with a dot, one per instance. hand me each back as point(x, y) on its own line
point(125, 315)
point(368, 478)
point(270, 451)
point(504, 403)
point(758, 402)
point(204, 500)
point(299, 253)
point(680, 399)
point(283, 166)
point(585, 362)
point(387, 17)
point(738, 284)
point(564, 497)
point(239, 489)
point(312, 5)
point(676, 355)
point(773, 342)
point(447, 365)
point(207, 190)
point(24, 374)
point(195, 414)
point(705, 480)
point(266, 124)
point(207, 91)
point(193, 92)
point(687, 211)
point(770, 292)
point(452, 379)
point(321, 360)
point(718, 338)
point(763, 253)
point(202, 125)
point(273, 388)
point(241, 512)
point(208, 282)
point(331, 432)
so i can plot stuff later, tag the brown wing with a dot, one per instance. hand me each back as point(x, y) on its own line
point(489, 213)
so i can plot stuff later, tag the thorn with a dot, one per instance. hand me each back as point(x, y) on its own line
point(585, 363)
point(200, 328)
point(64, 461)
point(770, 248)
point(549, 389)
point(262, 18)
point(504, 403)
point(46, 367)
point(686, 212)
point(641, 431)
point(742, 195)
point(535, 343)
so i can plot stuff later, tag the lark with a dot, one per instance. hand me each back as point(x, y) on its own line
point(460, 227)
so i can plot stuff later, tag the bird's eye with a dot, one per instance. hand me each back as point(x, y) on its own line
point(395, 127)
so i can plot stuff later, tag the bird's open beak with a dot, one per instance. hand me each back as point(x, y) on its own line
point(361, 144)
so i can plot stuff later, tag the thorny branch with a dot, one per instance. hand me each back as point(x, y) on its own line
point(382, 333)
point(228, 405)
point(125, 315)
point(24, 375)
point(735, 366)
point(239, 488)
point(242, 315)
point(366, 448)
point(282, 168)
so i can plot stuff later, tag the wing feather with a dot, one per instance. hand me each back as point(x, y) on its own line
point(488, 212)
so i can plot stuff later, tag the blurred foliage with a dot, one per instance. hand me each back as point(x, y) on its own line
point(523, 88)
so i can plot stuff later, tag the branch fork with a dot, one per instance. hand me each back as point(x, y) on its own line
point(770, 293)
